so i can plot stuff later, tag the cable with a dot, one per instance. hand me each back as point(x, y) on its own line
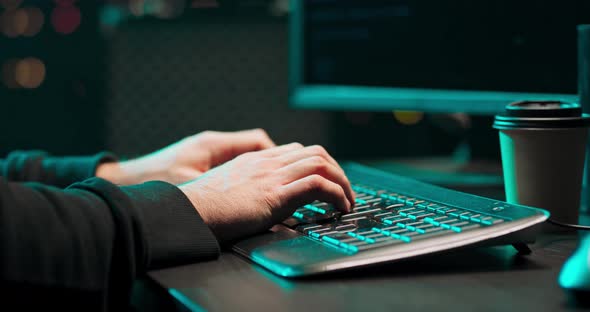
point(567, 225)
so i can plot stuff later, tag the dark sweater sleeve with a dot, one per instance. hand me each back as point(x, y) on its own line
point(81, 248)
point(38, 166)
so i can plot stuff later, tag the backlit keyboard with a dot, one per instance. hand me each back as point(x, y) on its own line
point(394, 218)
point(383, 218)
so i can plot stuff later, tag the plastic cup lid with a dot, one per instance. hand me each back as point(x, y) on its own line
point(542, 114)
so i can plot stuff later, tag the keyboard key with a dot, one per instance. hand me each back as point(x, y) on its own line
point(424, 226)
point(361, 207)
point(409, 210)
point(393, 229)
point(394, 221)
point(460, 223)
point(390, 241)
point(422, 204)
point(443, 210)
point(423, 214)
point(330, 240)
point(431, 221)
point(360, 201)
point(374, 200)
point(352, 219)
point(384, 214)
point(345, 227)
point(368, 240)
point(316, 209)
point(358, 214)
point(445, 219)
point(401, 199)
point(401, 237)
point(394, 206)
point(308, 227)
point(455, 213)
point(433, 229)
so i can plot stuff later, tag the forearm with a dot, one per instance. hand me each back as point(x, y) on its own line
point(37, 166)
point(91, 240)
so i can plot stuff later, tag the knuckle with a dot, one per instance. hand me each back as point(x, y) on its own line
point(297, 144)
point(207, 136)
point(316, 182)
point(207, 133)
point(319, 163)
point(272, 200)
point(319, 150)
point(261, 132)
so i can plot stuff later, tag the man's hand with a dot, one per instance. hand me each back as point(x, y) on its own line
point(259, 189)
point(186, 159)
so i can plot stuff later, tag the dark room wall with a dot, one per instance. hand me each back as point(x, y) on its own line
point(169, 79)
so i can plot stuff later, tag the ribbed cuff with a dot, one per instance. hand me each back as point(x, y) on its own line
point(175, 232)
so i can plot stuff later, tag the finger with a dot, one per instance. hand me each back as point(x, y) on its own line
point(309, 151)
point(262, 137)
point(314, 187)
point(252, 140)
point(232, 144)
point(316, 165)
point(280, 150)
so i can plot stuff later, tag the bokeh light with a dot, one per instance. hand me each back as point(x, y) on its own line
point(136, 7)
point(7, 20)
point(168, 8)
point(24, 21)
point(35, 20)
point(30, 72)
point(279, 7)
point(408, 117)
point(9, 74)
point(20, 21)
point(66, 19)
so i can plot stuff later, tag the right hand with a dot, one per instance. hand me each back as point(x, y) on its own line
point(256, 190)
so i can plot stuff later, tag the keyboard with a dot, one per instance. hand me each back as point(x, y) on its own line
point(394, 218)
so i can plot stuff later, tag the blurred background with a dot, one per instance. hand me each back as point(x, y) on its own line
point(133, 76)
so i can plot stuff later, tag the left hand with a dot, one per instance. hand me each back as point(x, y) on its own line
point(186, 159)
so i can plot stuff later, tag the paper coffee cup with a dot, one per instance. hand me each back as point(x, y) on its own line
point(543, 146)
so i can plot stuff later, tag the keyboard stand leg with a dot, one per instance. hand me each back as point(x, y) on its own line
point(522, 248)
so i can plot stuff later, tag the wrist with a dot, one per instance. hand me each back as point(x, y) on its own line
point(194, 197)
point(122, 173)
point(113, 172)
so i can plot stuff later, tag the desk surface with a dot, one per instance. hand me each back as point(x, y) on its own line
point(483, 279)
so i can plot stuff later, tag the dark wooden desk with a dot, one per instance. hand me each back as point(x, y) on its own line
point(484, 279)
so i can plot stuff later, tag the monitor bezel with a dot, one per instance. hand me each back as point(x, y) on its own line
point(366, 98)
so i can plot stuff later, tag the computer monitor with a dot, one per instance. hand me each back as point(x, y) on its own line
point(431, 55)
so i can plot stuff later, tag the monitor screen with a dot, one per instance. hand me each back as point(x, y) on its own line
point(432, 55)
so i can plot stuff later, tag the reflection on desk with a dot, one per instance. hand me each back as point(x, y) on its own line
point(482, 279)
